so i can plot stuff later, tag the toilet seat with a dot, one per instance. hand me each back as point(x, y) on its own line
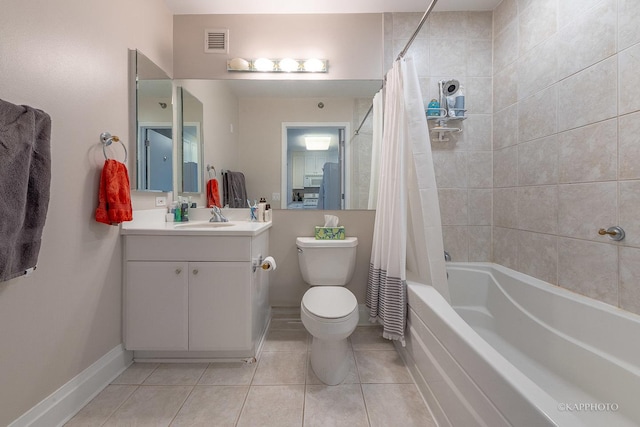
point(329, 303)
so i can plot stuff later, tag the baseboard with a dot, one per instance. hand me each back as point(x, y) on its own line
point(64, 403)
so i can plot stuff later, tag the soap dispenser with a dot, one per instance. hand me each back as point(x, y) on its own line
point(262, 205)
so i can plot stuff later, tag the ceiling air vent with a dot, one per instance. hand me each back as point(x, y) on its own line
point(216, 41)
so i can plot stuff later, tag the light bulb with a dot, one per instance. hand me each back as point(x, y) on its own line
point(263, 64)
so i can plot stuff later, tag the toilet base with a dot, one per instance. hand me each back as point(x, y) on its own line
point(329, 360)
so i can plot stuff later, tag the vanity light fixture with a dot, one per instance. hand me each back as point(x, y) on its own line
point(284, 65)
point(317, 143)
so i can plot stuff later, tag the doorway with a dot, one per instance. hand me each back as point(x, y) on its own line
point(314, 156)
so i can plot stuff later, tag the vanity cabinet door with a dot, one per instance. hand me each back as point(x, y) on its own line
point(156, 305)
point(219, 306)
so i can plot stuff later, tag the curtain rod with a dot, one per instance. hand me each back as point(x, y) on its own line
point(403, 53)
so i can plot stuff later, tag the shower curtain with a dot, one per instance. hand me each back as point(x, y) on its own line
point(407, 205)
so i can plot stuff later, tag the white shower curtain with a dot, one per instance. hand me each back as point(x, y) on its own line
point(406, 191)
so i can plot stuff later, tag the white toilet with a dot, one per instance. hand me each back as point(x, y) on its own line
point(329, 311)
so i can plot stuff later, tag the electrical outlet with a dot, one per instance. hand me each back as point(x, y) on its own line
point(275, 196)
point(161, 201)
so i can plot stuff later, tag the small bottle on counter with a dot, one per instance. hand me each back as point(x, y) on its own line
point(267, 213)
point(177, 212)
point(262, 205)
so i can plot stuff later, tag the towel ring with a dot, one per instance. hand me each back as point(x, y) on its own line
point(209, 167)
point(107, 139)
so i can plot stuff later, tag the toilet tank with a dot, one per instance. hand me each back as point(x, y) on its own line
point(327, 262)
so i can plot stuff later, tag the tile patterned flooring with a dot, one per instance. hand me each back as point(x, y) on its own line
point(279, 390)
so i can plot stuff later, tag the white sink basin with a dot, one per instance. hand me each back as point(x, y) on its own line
point(203, 224)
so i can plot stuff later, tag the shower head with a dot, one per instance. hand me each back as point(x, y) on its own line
point(450, 87)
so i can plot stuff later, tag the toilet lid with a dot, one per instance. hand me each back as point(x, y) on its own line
point(329, 302)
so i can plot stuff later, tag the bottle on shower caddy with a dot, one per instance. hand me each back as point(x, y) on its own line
point(458, 105)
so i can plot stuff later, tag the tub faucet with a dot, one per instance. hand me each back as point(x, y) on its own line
point(217, 215)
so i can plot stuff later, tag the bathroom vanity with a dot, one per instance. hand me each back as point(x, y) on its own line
point(195, 289)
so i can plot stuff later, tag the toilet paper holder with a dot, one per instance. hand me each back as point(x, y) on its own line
point(260, 262)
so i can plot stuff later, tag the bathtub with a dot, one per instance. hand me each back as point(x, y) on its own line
point(512, 350)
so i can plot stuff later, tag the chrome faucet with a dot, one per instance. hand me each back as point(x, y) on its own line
point(217, 215)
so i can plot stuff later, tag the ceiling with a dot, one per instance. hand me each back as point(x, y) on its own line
point(183, 7)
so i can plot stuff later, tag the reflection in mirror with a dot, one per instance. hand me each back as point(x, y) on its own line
point(315, 173)
point(153, 125)
point(242, 130)
point(190, 156)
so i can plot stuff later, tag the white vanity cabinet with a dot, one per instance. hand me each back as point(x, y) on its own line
point(194, 295)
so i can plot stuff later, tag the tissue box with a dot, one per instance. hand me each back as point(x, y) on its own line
point(330, 233)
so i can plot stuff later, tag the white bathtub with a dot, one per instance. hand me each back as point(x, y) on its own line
point(514, 350)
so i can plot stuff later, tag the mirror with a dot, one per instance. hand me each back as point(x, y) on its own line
point(189, 121)
point(242, 130)
point(151, 99)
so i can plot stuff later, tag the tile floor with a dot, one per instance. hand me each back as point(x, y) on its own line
point(279, 390)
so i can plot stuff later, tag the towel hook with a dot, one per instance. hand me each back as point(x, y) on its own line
point(209, 167)
point(107, 139)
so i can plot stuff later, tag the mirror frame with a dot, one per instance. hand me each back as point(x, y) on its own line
point(179, 122)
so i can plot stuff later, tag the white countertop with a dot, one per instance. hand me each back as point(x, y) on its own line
point(152, 222)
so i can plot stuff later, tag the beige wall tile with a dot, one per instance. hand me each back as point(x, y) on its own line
point(505, 167)
point(572, 10)
point(537, 68)
point(629, 209)
point(479, 244)
point(453, 206)
point(537, 24)
point(629, 146)
point(629, 79)
point(588, 96)
point(587, 40)
point(629, 274)
point(589, 268)
point(405, 23)
point(505, 47)
point(480, 206)
point(538, 161)
point(447, 25)
point(505, 207)
point(448, 57)
point(505, 127)
point(505, 247)
point(505, 13)
point(585, 208)
point(456, 241)
point(628, 28)
point(538, 115)
point(478, 95)
point(505, 87)
point(477, 132)
point(478, 25)
point(589, 153)
point(538, 256)
point(450, 168)
point(479, 58)
point(480, 167)
point(538, 209)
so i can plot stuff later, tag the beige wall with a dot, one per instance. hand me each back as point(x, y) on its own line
point(286, 284)
point(69, 58)
point(566, 125)
point(351, 42)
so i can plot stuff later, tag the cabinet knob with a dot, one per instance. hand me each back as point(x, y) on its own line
point(195, 271)
point(178, 270)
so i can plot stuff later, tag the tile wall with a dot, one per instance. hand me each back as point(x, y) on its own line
point(456, 45)
point(566, 143)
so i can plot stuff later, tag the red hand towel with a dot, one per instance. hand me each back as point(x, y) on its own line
point(114, 196)
point(213, 194)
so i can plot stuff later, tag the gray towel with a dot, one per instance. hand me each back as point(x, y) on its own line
point(235, 190)
point(25, 178)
